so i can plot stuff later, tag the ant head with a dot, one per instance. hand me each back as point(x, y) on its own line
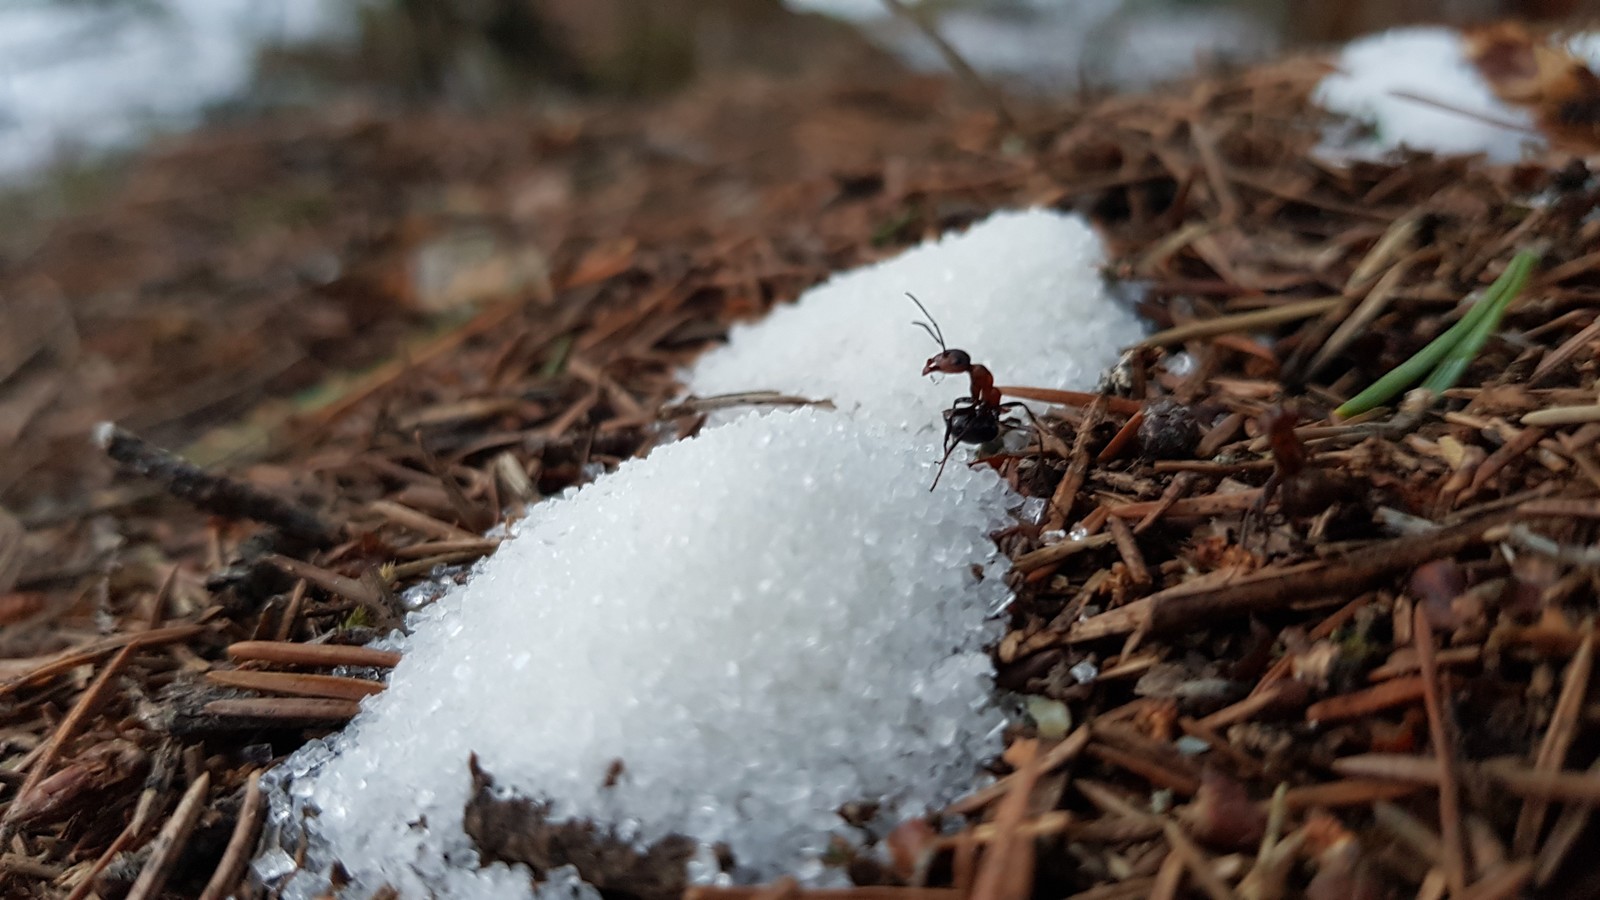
point(952, 361)
point(947, 360)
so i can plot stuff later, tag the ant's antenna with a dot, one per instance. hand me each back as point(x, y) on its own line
point(931, 326)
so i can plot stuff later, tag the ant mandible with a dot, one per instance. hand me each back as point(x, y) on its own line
point(975, 419)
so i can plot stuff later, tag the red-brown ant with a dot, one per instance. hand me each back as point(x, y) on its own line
point(1301, 488)
point(975, 419)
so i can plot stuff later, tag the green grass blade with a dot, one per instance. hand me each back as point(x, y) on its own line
point(1463, 353)
point(1409, 372)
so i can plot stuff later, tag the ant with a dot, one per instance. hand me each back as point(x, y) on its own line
point(1302, 488)
point(975, 419)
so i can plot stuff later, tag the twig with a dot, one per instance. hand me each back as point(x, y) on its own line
point(1183, 605)
point(1387, 695)
point(1006, 869)
point(1564, 786)
point(1562, 415)
point(241, 845)
point(215, 494)
point(1502, 884)
point(1198, 864)
point(67, 660)
point(88, 702)
point(123, 839)
point(169, 843)
point(1558, 738)
point(957, 64)
point(1128, 548)
point(1563, 837)
point(351, 589)
point(1453, 852)
point(1054, 553)
point(1248, 321)
point(1050, 760)
point(1065, 495)
point(420, 522)
point(1119, 405)
point(865, 892)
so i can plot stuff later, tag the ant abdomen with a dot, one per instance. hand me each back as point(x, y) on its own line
point(971, 425)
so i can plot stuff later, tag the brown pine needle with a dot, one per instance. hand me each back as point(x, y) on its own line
point(285, 709)
point(320, 655)
point(1453, 851)
point(170, 841)
point(88, 702)
point(1198, 864)
point(1558, 738)
point(333, 687)
point(241, 845)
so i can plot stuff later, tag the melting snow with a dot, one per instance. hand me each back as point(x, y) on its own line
point(762, 624)
point(101, 74)
point(1020, 291)
point(1428, 63)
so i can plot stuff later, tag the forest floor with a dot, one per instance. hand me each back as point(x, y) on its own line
point(394, 331)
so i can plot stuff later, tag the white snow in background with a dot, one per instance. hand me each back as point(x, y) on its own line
point(102, 75)
point(1021, 292)
point(1052, 45)
point(1425, 62)
point(762, 623)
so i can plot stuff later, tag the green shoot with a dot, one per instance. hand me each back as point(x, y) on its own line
point(1448, 355)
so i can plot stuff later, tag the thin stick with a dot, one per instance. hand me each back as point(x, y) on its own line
point(1066, 493)
point(1558, 738)
point(216, 494)
point(321, 655)
point(1119, 405)
point(241, 846)
point(1563, 837)
point(285, 709)
point(1052, 759)
point(1006, 869)
point(169, 843)
point(67, 660)
point(1198, 863)
point(85, 886)
point(1452, 852)
point(957, 64)
point(299, 684)
point(1248, 321)
point(87, 703)
point(1360, 704)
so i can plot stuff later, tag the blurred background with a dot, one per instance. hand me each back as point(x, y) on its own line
point(82, 77)
point(222, 217)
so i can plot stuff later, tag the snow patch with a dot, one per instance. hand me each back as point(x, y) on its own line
point(102, 75)
point(1021, 292)
point(761, 624)
point(1377, 72)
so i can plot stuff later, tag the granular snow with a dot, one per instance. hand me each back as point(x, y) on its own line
point(1020, 291)
point(762, 624)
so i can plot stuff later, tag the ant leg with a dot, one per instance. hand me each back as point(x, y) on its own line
point(1258, 511)
point(952, 436)
point(949, 449)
